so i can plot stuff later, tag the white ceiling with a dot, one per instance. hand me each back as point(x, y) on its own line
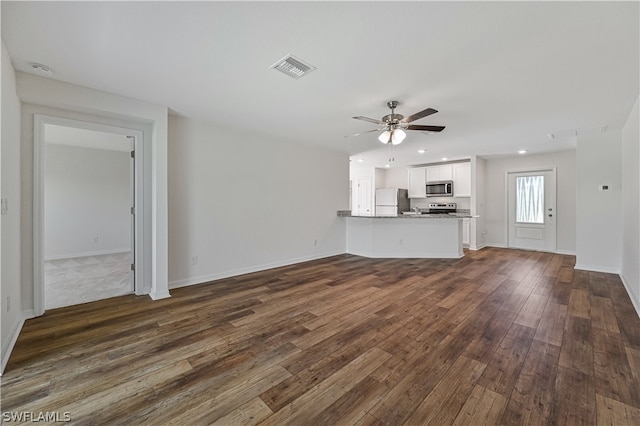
point(502, 74)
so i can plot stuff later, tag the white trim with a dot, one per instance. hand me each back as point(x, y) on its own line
point(87, 254)
point(636, 303)
point(142, 258)
point(158, 295)
point(248, 270)
point(597, 268)
point(478, 247)
point(11, 342)
point(497, 245)
point(566, 252)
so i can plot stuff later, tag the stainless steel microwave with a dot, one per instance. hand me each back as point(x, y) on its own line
point(440, 189)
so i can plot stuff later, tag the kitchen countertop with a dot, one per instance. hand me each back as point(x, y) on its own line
point(347, 213)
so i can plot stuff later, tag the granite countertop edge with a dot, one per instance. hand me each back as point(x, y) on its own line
point(347, 213)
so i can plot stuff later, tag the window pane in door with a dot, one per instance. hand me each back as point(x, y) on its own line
point(530, 199)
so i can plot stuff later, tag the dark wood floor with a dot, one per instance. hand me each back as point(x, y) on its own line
point(498, 337)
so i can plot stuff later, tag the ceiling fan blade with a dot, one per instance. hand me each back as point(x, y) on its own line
point(426, 128)
point(370, 120)
point(418, 115)
point(362, 133)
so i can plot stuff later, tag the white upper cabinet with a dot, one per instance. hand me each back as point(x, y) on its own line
point(461, 179)
point(438, 173)
point(417, 182)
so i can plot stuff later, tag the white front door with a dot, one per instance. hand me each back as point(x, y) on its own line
point(365, 203)
point(531, 200)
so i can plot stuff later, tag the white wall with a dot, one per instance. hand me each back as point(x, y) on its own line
point(396, 178)
point(87, 201)
point(630, 268)
point(242, 202)
point(495, 209)
point(478, 200)
point(599, 222)
point(55, 98)
point(10, 280)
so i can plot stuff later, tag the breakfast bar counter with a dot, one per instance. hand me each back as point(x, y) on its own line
point(405, 235)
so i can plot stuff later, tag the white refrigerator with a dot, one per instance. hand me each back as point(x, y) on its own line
point(391, 201)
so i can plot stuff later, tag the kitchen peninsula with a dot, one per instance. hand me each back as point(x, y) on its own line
point(405, 235)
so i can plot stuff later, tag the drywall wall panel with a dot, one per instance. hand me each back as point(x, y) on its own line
point(241, 202)
point(496, 219)
point(599, 219)
point(87, 201)
point(630, 268)
point(10, 276)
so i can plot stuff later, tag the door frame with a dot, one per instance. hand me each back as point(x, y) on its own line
point(551, 169)
point(40, 120)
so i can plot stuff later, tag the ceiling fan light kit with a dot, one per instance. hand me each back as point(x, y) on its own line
point(394, 125)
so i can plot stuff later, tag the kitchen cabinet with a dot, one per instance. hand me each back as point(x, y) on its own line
point(465, 232)
point(439, 173)
point(417, 182)
point(461, 179)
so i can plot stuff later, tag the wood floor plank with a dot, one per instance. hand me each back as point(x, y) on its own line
point(442, 404)
point(483, 407)
point(250, 413)
point(579, 303)
point(499, 336)
point(504, 367)
point(329, 390)
point(613, 413)
point(612, 371)
point(574, 399)
point(551, 326)
point(531, 400)
point(577, 348)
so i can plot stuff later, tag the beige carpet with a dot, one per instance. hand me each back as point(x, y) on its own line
point(85, 279)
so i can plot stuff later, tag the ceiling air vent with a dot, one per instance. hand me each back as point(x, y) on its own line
point(293, 67)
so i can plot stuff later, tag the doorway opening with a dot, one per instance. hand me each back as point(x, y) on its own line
point(86, 230)
point(531, 201)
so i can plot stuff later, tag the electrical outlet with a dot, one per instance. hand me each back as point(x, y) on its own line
point(5, 206)
point(95, 241)
point(315, 242)
point(400, 242)
point(8, 303)
point(194, 260)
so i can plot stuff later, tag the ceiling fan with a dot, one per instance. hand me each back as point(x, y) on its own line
point(394, 125)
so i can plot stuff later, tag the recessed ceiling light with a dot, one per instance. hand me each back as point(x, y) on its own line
point(421, 151)
point(387, 165)
point(444, 158)
point(360, 160)
point(522, 151)
point(43, 69)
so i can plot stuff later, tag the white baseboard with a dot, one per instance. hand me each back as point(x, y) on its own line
point(636, 303)
point(597, 268)
point(257, 268)
point(497, 245)
point(478, 247)
point(157, 295)
point(566, 252)
point(7, 348)
point(87, 253)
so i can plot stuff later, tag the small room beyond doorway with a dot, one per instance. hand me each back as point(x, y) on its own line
point(88, 225)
